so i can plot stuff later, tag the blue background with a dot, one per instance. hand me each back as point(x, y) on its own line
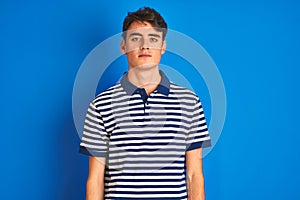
point(255, 45)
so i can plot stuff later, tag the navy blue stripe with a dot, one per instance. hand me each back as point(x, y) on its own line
point(152, 174)
point(154, 143)
point(200, 136)
point(90, 152)
point(147, 192)
point(171, 132)
point(102, 98)
point(92, 126)
point(158, 119)
point(144, 167)
point(166, 151)
point(137, 103)
point(146, 180)
point(149, 132)
point(149, 162)
point(198, 145)
point(100, 106)
point(95, 138)
point(148, 186)
point(165, 125)
point(199, 131)
point(97, 144)
point(148, 138)
point(164, 155)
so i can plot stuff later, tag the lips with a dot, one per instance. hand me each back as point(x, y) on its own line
point(144, 56)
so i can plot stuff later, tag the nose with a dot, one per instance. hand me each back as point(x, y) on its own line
point(144, 45)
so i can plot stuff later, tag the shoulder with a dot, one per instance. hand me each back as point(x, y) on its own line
point(108, 94)
point(182, 92)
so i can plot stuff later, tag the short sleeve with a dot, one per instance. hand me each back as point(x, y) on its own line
point(198, 136)
point(94, 141)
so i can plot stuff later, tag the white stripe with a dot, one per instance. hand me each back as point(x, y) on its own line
point(84, 139)
point(146, 153)
point(93, 147)
point(171, 177)
point(146, 165)
point(146, 183)
point(145, 159)
point(134, 196)
point(148, 189)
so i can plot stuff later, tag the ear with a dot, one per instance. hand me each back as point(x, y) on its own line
point(163, 48)
point(123, 47)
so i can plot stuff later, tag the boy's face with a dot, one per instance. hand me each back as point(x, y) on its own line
point(144, 45)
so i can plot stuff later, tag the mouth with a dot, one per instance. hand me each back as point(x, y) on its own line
point(145, 56)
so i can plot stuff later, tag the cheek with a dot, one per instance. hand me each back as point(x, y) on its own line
point(131, 57)
point(157, 55)
point(130, 48)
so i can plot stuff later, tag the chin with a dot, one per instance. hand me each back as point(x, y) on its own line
point(146, 66)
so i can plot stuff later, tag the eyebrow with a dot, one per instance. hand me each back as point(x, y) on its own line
point(154, 35)
point(135, 34)
point(151, 34)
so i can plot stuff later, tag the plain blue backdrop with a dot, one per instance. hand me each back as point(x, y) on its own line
point(255, 45)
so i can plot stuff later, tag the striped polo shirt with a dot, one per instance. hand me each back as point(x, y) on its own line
point(144, 139)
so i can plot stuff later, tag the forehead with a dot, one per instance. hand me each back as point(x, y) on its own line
point(142, 28)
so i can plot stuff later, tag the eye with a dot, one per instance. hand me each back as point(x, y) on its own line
point(135, 39)
point(153, 39)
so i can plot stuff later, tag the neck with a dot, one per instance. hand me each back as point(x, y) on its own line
point(148, 79)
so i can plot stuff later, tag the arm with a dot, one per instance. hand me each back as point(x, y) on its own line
point(95, 181)
point(195, 180)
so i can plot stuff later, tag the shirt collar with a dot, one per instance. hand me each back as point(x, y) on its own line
point(163, 87)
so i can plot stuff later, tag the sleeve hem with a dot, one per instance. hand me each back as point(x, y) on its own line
point(197, 145)
point(84, 150)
